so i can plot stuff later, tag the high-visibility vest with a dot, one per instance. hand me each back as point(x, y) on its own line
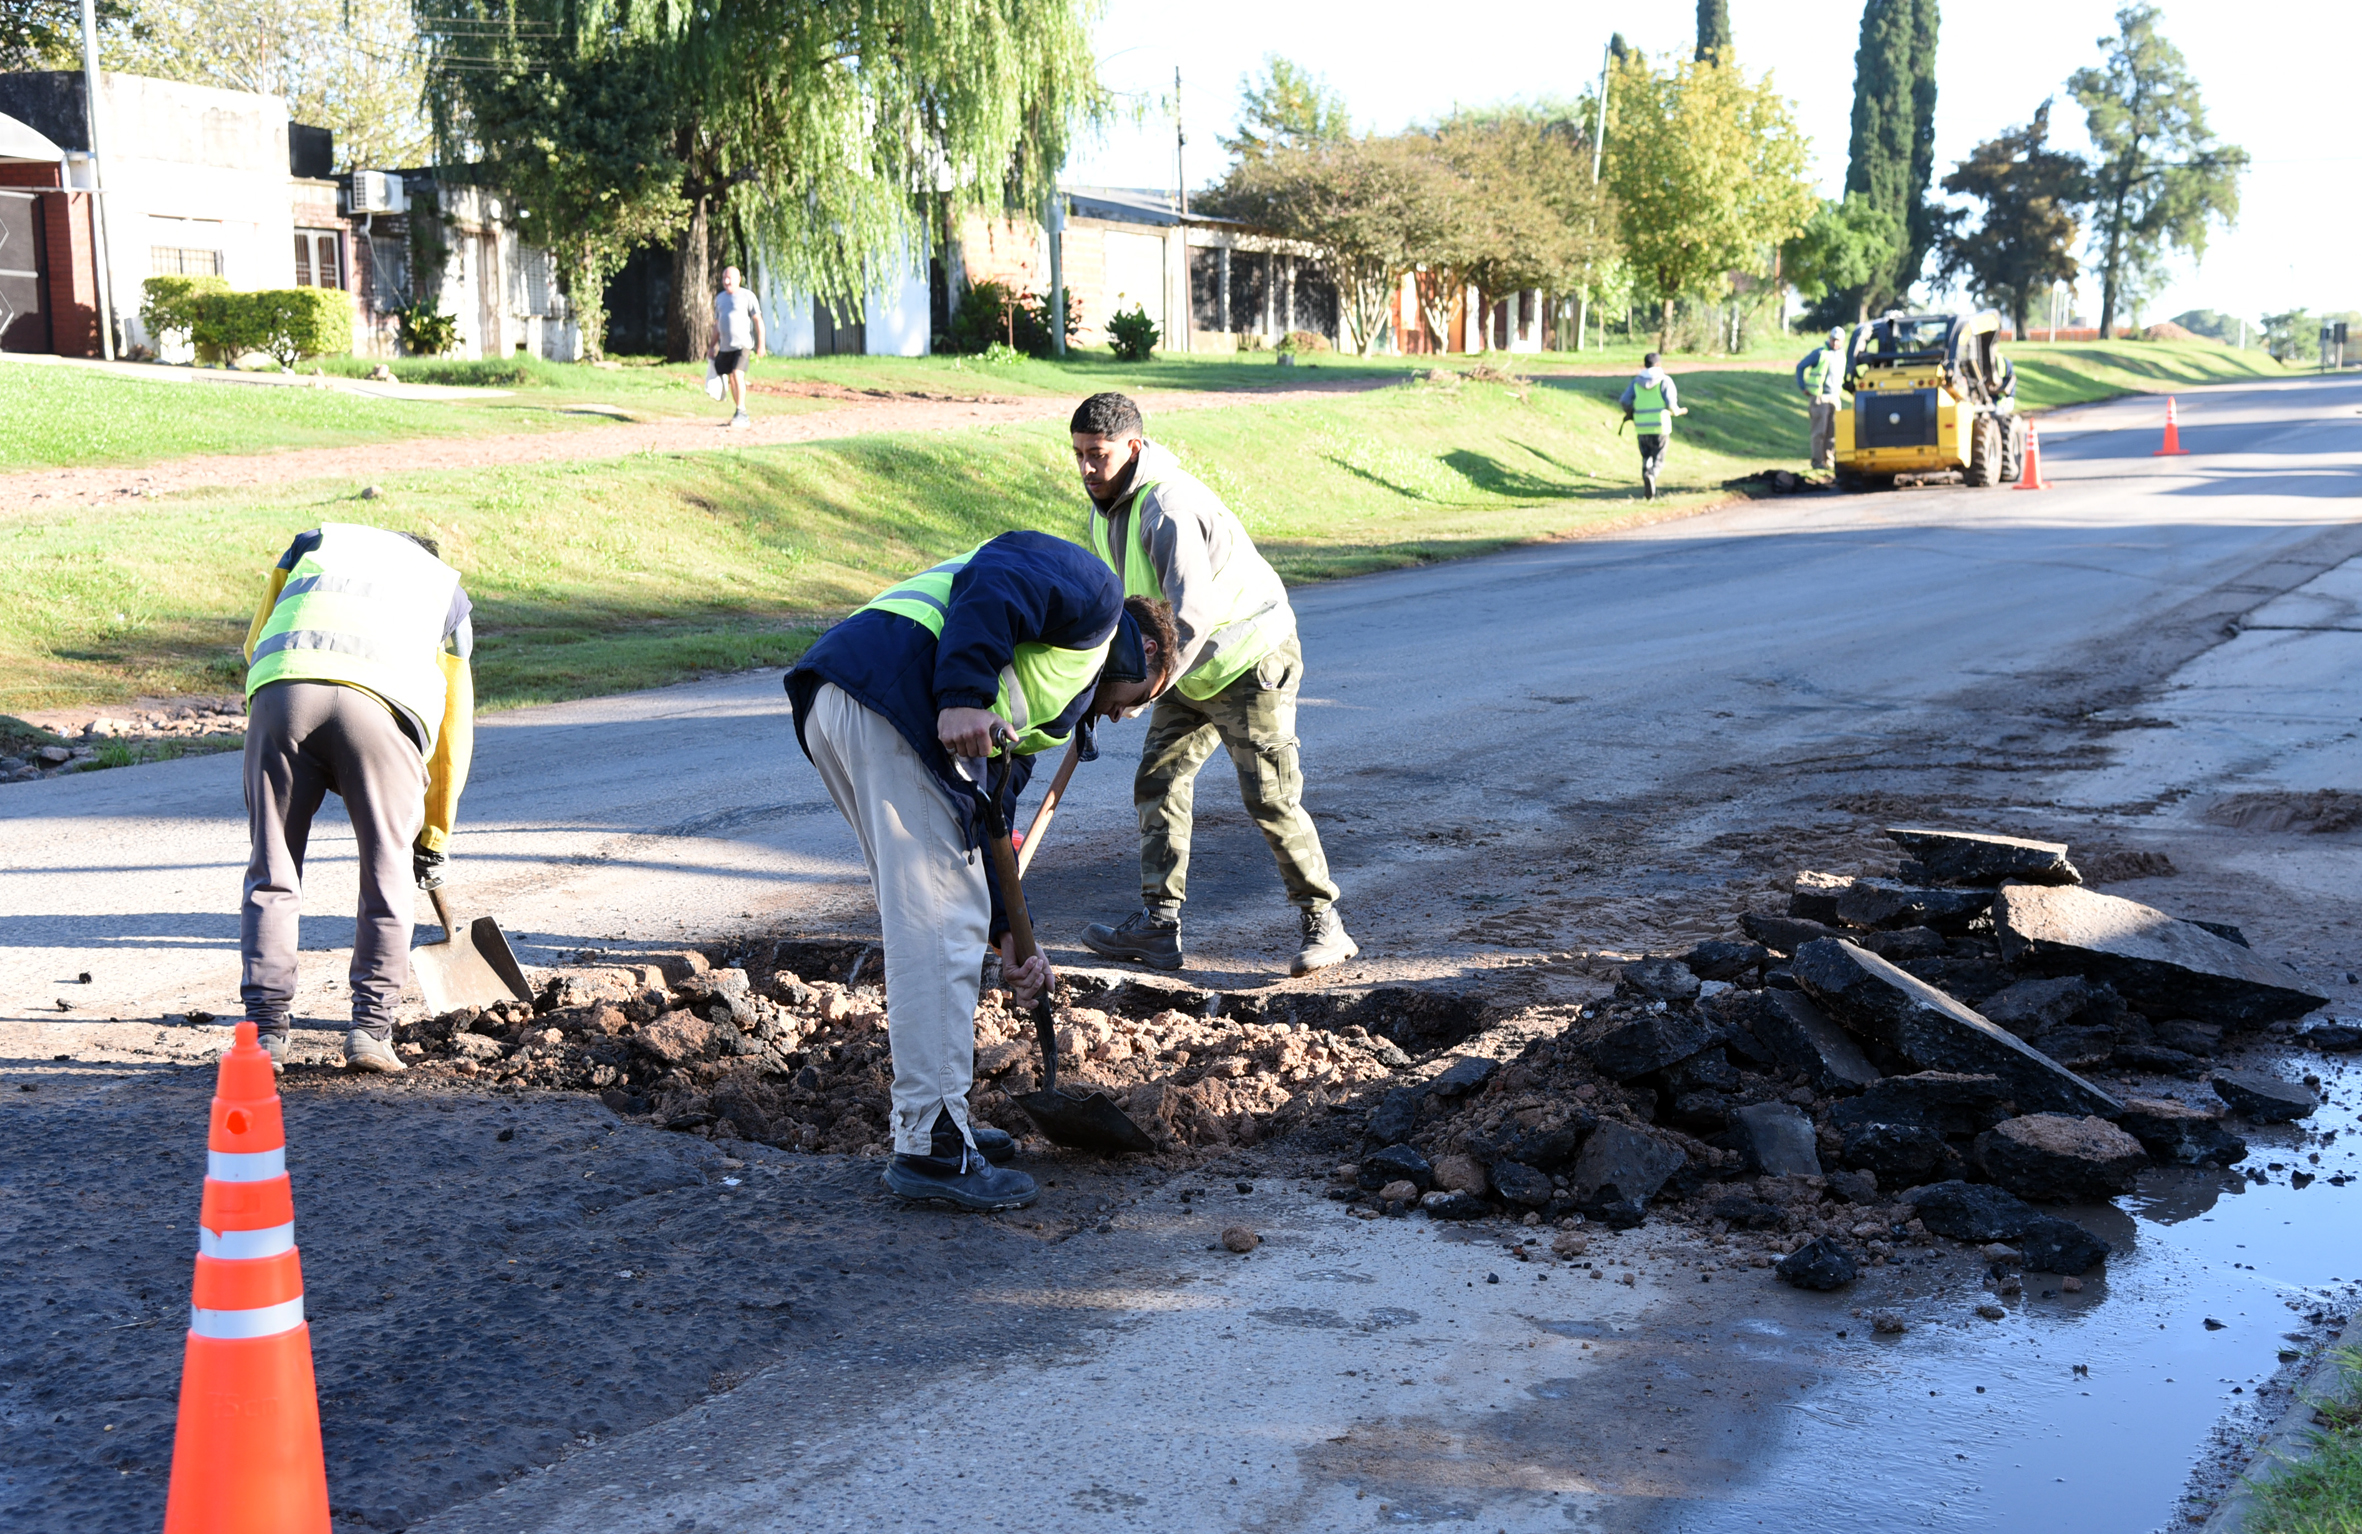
point(1650, 418)
point(365, 608)
point(1821, 372)
point(1039, 681)
point(1232, 654)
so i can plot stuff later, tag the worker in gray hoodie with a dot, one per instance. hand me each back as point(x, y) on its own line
point(1650, 403)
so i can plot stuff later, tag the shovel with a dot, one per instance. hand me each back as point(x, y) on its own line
point(1089, 1122)
point(476, 970)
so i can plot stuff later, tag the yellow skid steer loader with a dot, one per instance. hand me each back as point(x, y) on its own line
point(1934, 403)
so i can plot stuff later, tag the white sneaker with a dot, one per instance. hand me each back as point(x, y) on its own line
point(363, 1053)
point(740, 419)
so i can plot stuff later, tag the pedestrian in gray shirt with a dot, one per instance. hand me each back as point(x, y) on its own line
point(738, 335)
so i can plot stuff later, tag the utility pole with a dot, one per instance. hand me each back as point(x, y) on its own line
point(1598, 144)
point(98, 183)
point(1180, 147)
point(1055, 226)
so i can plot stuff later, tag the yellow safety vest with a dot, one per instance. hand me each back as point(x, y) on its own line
point(365, 608)
point(1818, 372)
point(1650, 418)
point(1231, 659)
point(1039, 681)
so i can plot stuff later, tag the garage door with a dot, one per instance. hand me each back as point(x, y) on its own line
point(24, 320)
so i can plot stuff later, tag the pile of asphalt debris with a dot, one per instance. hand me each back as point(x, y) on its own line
point(1891, 1060)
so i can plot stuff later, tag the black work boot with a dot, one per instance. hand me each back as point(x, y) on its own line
point(1145, 938)
point(1326, 941)
point(997, 1145)
point(965, 1179)
point(1648, 487)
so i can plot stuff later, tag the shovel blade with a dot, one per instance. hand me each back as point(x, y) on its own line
point(476, 969)
point(1092, 1123)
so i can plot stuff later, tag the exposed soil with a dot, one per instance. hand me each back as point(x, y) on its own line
point(101, 486)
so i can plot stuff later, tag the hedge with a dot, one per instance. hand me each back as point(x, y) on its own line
point(288, 324)
point(168, 304)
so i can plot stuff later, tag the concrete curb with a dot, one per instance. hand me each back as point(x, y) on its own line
point(2291, 1440)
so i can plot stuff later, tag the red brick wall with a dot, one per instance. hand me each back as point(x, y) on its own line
point(28, 175)
point(73, 275)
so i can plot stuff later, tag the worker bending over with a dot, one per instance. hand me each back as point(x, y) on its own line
point(1236, 673)
point(1821, 378)
point(1650, 403)
point(357, 684)
point(1001, 652)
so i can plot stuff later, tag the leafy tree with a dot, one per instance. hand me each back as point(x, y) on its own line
point(2026, 238)
point(1890, 158)
point(1291, 109)
point(1528, 213)
point(1714, 31)
point(2215, 325)
point(348, 65)
point(2293, 337)
point(824, 142)
point(47, 34)
point(1707, 174)
point(2160, 176)
point(1849, 246)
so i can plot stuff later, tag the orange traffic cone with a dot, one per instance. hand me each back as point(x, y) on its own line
point(246, 1455)
point(2173, 435)
point(2030, 477)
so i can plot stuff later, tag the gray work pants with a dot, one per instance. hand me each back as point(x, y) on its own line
point(304, 741)
point(1824, 419)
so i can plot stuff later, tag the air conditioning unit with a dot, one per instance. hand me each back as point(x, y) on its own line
point(377, 191)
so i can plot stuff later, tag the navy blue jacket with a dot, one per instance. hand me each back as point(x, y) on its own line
point(1021, 588)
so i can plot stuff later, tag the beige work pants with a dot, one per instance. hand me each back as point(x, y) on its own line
point(1824, 413)
point(934, 910)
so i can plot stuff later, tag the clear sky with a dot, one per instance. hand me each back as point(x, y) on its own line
point(2295, 243)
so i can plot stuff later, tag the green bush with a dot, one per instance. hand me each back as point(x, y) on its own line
point(287, 324)
point(1133, 336)
point(424, 330)
point(168, 305)
point(991, 313)
point(1304, 341)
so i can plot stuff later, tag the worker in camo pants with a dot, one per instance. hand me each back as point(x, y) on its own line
point(357, 684)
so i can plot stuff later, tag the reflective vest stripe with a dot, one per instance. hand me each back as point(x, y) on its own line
point(247, 1166)
point(346, 585)
point(246, 1245)
point(240, 1325)
point(330, 640)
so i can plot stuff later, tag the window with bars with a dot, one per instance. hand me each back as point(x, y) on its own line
point(183, 261)
point(319, 258)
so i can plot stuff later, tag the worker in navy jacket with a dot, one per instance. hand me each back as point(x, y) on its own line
point(938, 691)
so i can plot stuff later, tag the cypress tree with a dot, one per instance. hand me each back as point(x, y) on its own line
point(1714, 31)
point(1890, 158)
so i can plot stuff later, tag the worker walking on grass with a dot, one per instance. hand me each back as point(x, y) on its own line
point(1650, 402)
point(357, 684)
point(738, 337)
point(1821, 377)
point(1236, 674)
point(997, 654)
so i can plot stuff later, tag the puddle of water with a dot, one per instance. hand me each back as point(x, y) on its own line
point(1899, 1436)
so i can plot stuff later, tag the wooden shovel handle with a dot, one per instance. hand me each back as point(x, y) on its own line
point(1049, 806)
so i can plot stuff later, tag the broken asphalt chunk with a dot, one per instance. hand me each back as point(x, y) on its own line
point(1659, 979)
point(2053, 1245)
point(1970, 857)
point(1778, 1140)
point(1814, 896)
point(2263, 1099)
point(1464, 1076)
point(1971, 1211)
point(1783, 935)
point(2057, 1158)
point(1396, 1163)
point(1725, 961)
point(1803, 1038)
point(2157, 962)
point(1886, 906)
point(1934, 1032)
point(1947, 1102)
point(1819, 1264)
point(2179, 1135)
point(1649, 1043)
point(1620, 1163)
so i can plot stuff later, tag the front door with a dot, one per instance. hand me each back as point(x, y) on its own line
point(24, 312)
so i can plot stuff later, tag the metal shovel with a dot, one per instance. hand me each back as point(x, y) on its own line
point(476, 970)
point(1091, 1121)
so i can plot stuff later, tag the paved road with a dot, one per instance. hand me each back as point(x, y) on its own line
point(1579, 745)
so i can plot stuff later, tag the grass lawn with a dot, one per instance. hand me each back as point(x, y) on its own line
point(2323, 1494)
point(605, 576)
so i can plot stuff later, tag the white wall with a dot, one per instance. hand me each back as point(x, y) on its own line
point(896, 321)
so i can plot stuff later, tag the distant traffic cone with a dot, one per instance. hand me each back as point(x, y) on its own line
point(2173, 435)
point(2030, 477)
point(246, 1456)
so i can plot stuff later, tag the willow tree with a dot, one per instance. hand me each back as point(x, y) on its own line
point(827, 143)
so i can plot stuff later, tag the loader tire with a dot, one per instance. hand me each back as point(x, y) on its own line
point(1984, 453)
point(2013, 451)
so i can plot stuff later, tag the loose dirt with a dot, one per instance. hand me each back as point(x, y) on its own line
point(50, 489)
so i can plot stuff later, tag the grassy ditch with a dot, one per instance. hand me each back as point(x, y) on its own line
point(2321, 1494)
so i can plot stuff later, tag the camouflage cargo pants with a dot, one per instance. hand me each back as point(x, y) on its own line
point(1255, 719)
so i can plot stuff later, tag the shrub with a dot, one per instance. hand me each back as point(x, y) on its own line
point(424, 330)
point(1304, 341)
point(286, 324)
point(991, 313)
point(168, 305)
point(1133, 336)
